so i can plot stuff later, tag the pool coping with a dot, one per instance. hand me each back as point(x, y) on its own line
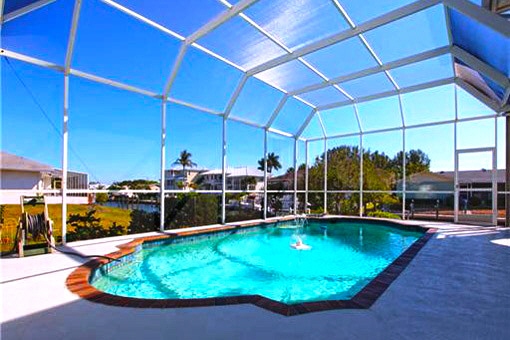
point(78, 282)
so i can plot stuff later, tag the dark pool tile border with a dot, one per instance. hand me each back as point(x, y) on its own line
point(78, 281)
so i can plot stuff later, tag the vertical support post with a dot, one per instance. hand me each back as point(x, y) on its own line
point(65, 146)
point(404, 173)
point(495, 175)
point(265, 174)
point(163, 155)
point(306, 177)
point(295, 175)
point(325, 175)
point(507, 171)
point(65, 131)
point(456, 165)
point(361, 174)
point(223, 170)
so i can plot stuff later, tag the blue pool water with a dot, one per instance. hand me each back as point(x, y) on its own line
point(341, 261)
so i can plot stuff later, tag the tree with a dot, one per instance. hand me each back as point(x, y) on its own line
point(247, 181)
point(273, 162)
point(416, 161)
point(261, 164)
point(136, 184)
point(185, 160)
point(101, 197)
point(380, 173)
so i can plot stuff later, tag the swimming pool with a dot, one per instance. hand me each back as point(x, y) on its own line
point(344, 257)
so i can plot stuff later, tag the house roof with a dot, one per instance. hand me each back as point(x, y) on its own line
point(179, 168)
point(475, 176)
point(14, 162)
point(244, 171)
point(429, 177)
point(9, 161)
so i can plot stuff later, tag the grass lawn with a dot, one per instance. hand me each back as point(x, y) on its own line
point(12, 212)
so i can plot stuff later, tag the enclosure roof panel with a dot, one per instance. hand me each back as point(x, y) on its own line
point(268, 63)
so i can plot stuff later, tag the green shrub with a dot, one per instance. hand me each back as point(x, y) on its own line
point(318, 210)
point(88, 226)
point(101, 197)
point(383, 214)
point(143, 221)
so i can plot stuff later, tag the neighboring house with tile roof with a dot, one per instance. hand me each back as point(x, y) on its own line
point(20, 173)
point(236, 178)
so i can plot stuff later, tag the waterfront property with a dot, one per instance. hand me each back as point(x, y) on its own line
point(238, 178)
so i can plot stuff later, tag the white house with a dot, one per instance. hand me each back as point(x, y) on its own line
point(236, 178)
point(177, 178)
point(20, 173)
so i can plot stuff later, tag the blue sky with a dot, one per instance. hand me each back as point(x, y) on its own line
point(116, 134)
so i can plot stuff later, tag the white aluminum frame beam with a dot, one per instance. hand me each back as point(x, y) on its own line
point(346, 34)
point(376, 69)
point(223, 169)
point(306, 176)
point(325, 185)
point(175, 69)
point(220, 19)
point(65, 122)
point(478, 95)
point(361, 174)
point(494, 186)
point(398, 128)
point(323, 127)
point(106, 81)
point(192, 106)
point(143, 19)
point(265, 174)
point(295, 162)
point(286, 49)
point(162, 167)
point(168, 31)
point(306, 122)
point(31, 60)
point(397, 14)
point(24, 10)
point(235, 95)
point(413, 88)
point(282, 102)
point(364, 42)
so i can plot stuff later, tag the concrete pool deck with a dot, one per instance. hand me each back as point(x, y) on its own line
point(457, 287)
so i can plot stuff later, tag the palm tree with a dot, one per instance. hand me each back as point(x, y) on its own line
point(185, 160)
point(261, 164)
point(273, 162)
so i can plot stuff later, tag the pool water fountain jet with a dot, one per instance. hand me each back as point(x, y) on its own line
point(300, 222)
